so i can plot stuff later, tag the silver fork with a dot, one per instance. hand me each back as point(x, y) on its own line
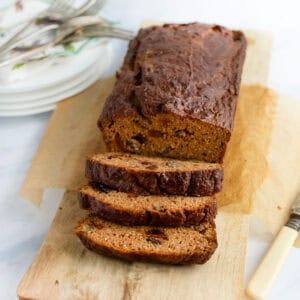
point(98, 31)
point(95, 8)
point(84, 20)
point(66, 30)
point(59, 11)
point(81, 35)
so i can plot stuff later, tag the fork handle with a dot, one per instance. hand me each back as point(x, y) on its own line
point(9, 44)
point(26, 55)
point(262, 280)
point(15, 42)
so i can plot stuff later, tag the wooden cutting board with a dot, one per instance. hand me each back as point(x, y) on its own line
point(64, 269)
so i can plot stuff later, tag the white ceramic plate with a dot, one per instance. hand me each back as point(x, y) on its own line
point(90, 79)
point(47, 104)
point(27, 112)
point(62, 70)
point(7, 99)
point(10, 99)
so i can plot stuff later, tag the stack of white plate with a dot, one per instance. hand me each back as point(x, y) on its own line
point(51, 81)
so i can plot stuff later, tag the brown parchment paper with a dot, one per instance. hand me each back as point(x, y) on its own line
point(273, 200)
point(245, 162)
point(71, 135)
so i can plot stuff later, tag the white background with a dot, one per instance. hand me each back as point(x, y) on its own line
point(23, 226)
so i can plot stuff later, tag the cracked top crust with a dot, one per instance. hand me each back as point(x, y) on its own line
point(192, 70)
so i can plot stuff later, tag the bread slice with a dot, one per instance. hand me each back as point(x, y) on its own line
point(181, 245)
point(153, 175)
point(131, 209)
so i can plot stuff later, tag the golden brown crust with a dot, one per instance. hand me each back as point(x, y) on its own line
point(201, 181)
point(190, 74)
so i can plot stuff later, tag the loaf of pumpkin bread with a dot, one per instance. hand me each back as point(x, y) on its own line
point(176, 93)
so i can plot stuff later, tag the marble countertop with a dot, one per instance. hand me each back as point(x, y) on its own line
point(23, 226)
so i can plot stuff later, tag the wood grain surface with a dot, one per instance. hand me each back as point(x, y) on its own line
point(64, 269)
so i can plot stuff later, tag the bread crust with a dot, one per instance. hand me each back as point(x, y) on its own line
point(187, 74)
point(163, 57)
point(199, 256)
point(129, 216)
point(205, 182)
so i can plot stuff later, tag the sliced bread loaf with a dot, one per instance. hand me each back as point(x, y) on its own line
point(131, 209)
point(181, 245)
point(154, 175)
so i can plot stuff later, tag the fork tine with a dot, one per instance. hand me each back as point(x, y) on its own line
point(55, 4)
point(69, 3)
point(62, 7)
point(66, 5)
point(96, 7)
